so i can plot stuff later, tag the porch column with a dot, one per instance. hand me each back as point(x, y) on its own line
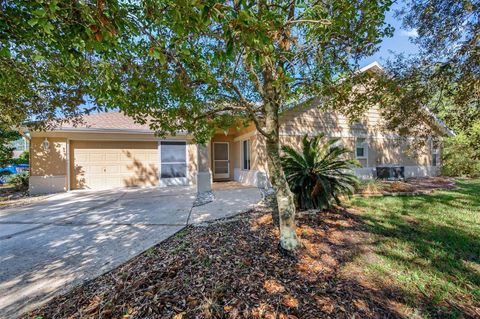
point(204, 177)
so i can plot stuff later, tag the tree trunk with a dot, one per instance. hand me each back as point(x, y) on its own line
point(285, 199)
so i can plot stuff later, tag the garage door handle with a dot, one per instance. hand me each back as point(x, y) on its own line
point(104, 170)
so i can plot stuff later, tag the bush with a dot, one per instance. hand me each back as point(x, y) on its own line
point(320, 173)
point(371, 186)
point(19, 180)
point(460, 156)
point(22, 159)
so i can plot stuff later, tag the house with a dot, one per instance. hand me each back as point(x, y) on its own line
point(110, 150)
point(19, 146)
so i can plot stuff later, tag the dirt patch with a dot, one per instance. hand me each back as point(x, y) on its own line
point(11, 197)
point(234, 270)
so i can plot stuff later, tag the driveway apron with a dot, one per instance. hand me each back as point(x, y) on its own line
point(50, 246)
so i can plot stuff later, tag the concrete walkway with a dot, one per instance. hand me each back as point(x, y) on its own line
point(50, 246)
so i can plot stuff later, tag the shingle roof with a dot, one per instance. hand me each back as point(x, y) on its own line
point(107, 121)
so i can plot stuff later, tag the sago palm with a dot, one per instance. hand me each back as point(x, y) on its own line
point(320, 173)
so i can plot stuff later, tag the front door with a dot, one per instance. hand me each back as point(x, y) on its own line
point(221, 160)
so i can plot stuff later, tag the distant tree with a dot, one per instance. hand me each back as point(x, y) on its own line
point(445, 75)
point(6, 150)
point(23, 158)
point(195, 65)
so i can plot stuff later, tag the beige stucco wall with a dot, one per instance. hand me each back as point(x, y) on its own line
point(312, 119)
point(48, 163)
point(48, 169)
point(192, 161)
point(381, 151)
point(384, 147)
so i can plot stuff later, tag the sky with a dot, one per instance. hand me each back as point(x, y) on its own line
point(399, 43)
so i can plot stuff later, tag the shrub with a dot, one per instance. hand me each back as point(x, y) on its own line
point(460, 156)
point(19, 180)
point(320, 173)
point(22, 159)
point(371, 186)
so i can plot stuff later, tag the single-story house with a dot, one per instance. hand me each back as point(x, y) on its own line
point(110, 150)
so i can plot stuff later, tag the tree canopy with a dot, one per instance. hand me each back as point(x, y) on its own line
point(191, 65)
point(184, 63)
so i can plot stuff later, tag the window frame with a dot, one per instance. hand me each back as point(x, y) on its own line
point(435, 152)
point(249, 154)
point(363, 145)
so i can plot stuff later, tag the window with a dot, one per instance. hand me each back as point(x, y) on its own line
point(435, 153)
point(361, 148)
point(173, 159)
point(246, 155)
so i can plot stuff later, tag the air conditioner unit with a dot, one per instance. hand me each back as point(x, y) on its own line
point(391, 172)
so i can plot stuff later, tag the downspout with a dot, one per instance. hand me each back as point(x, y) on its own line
point(67, 153)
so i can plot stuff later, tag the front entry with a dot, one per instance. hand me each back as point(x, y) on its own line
point(221, 160)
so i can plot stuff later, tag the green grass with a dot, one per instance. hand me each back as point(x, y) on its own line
point(429, 247)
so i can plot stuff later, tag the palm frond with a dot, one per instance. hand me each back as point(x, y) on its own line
point(320, 173)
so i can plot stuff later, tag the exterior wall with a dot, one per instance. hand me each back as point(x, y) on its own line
point(48, 169)
point(384, 148)
point(192, 162)
point(256, 175)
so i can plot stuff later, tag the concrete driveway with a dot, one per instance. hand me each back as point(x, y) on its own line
point(52, 245)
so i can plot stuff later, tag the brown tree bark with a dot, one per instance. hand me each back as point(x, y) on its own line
point(285, 199)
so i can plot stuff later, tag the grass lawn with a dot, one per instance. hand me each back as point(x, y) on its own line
point(381, 257)
point(428, 248)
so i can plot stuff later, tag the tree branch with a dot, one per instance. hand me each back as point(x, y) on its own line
point(321, 21)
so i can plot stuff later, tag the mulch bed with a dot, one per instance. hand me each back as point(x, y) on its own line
point(233, 269)
point(411, 186)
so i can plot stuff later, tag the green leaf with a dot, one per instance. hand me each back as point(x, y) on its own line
point(40, 12)
point(5, 52)
point(32, 22)
point(48, 27)
point(157, 54)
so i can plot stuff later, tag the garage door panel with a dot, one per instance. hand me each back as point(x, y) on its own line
point(152, 157)
point(126, 156)
point(112, 168)
point(82, 157)
point(95, 156)
point(93, 169)
point(112, 157)
point(100, 165)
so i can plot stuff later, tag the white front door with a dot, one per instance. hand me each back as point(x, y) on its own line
point(221, 160)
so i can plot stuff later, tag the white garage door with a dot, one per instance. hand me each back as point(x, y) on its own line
point(110, 164)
